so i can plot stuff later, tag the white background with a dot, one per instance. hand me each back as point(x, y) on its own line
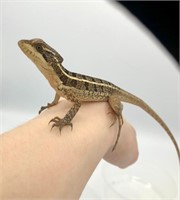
point(101, 39)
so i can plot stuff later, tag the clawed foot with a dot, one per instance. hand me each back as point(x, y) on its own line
point(44, 107)
point(60, 123)
point(53, 103)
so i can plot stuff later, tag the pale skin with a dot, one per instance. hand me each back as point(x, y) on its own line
point(38, 163)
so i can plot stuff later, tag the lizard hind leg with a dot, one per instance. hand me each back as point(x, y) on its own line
point(120, 122)
point(117, 107)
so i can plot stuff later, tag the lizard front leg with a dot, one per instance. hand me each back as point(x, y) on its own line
point(117, 107)
point(53, 103)
point(66, 121)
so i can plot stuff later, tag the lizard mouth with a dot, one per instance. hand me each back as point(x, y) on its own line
point(31, 53)
point(27, 49)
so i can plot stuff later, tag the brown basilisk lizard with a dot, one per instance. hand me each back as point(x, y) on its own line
point(78, 88)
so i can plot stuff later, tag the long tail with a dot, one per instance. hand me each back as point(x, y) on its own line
point(132, 99)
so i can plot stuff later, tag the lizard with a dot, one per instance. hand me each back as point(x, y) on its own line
point(79, 88)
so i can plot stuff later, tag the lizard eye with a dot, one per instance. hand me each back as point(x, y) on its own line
point(39, 48)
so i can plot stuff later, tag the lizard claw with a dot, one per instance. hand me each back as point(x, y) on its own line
point(55, 119)
point(45, 107)
point(58, 122)
point(42, 108)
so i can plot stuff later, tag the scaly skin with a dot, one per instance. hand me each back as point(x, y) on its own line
point(78, 88)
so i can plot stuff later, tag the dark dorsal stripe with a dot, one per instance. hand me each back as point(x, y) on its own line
point(84, 82)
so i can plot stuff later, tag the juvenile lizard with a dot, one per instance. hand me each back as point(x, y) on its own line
point(78, 88)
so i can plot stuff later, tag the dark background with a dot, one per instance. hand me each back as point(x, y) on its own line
point(162, 18)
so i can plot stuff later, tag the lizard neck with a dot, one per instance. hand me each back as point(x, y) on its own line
point(80, 81)
point(64, 75)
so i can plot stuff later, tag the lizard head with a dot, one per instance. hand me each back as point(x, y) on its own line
point(40, 53)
